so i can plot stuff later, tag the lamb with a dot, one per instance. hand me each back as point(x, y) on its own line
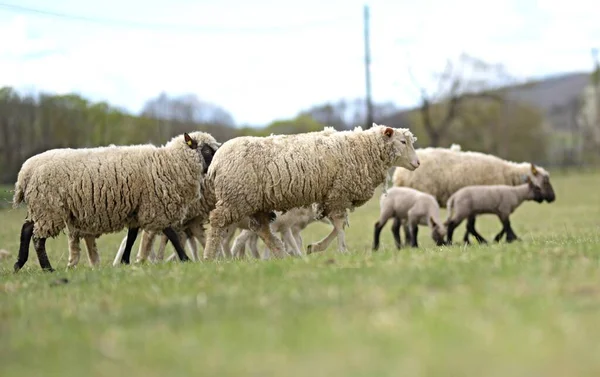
point(106, 189)
point(444, 171)
point(251, 176)
point(413, 207)
point(288, 225)
point(501, 200)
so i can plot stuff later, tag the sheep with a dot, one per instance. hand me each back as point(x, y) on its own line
point(501, 200)
point(445, 170)
point(27, 169)
point(413, 207)
point(106, 189)
point(338, 170)
point(288, 225)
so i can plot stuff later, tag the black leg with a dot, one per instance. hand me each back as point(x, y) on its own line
point(172, 236)
point(131, 236)
point(450, 232)
point(407, 234)
point(376, 235)
point(26, 234)
point(40, 249)
point(396, 233)
point(510, 234)
point(466, 237)
point(499, 235)
point(471, 229)
point(414, 230)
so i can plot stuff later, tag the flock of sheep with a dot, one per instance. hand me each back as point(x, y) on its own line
point(262, 186)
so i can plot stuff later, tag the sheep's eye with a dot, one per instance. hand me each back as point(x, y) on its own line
point(403, 142)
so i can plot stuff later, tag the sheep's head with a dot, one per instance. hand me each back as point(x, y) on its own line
point(536, 191)
point(204, 144)
point(403, 151)
point(438, 232)
point(541, 179)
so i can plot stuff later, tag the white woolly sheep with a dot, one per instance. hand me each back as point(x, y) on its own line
point(501, 200)
point(444, 171)
point(412, 207)
point(27, 169)
point(251, 176)
point(109, 188)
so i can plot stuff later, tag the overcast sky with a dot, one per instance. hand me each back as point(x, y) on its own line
point(263, 62)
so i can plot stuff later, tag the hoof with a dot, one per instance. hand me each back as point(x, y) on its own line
point(16, 267)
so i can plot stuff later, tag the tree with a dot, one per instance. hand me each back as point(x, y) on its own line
point(186, 108)
point(455, 89)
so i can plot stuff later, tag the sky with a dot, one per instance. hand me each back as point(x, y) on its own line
point(265, 60)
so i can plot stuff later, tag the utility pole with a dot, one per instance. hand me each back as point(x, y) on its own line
point(368, 101)
point(596, 83)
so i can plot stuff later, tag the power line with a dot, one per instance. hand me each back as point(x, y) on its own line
point(172, 27)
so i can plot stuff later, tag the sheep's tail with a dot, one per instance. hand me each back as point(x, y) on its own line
point(19, 195)
point(450, 206)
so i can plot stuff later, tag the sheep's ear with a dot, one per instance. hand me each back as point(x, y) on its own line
point(432, 221)
point(388, 131)
point(534, 171)
point(190, 142)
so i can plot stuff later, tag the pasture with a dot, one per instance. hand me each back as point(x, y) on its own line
point(531, 308)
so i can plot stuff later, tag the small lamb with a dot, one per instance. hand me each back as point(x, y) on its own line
point(415, 208)
point(501, 200)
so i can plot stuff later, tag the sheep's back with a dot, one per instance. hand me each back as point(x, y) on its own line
point(443, 172)
point(274, 173)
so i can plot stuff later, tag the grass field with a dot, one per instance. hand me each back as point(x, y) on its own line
point(531, 308)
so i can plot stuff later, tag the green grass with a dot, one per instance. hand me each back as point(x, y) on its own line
point(531, 308)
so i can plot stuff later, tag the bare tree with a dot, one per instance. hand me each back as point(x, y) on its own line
point(454, 89)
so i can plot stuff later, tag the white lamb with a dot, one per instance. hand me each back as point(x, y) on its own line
point(109, 188)
point(501, 200)
point(251, 176)
point(288, 225)
point(412, 207)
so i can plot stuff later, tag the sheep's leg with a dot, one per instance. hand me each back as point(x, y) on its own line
point(120, 251)
point(396, 233)
point(266, 234)
point(92, 251)
point(74, 251)
point(172, 236)
point(213, 242)
point(26, 234)
point(471, 230)
point(510, 234)
point(238, 249)
point(377, 233)
point(451, 226)
point(407, 234)
point(253, 244)
point(194, 247)
point(131, 236)
point(40, 249)
point(338, 231)
point(225, 245)
point(414, 231)
point(289, 239)
point(160, 253)
point(297, 237)
point(145, 246)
